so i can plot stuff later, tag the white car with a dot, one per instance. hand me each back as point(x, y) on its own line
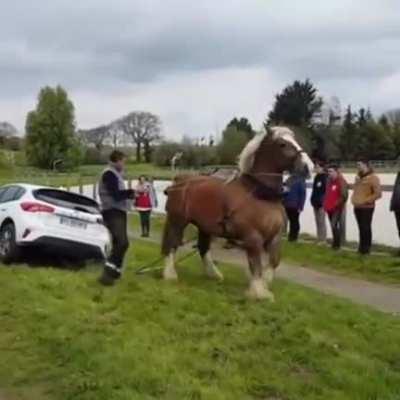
point(52, 218)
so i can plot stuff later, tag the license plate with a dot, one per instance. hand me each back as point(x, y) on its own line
point(74, 223)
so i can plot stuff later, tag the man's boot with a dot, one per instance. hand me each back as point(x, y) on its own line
point(110, 275)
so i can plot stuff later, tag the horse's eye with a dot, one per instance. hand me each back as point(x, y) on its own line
point(282, 145)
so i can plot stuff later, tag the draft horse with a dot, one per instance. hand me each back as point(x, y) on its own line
point(247, 208)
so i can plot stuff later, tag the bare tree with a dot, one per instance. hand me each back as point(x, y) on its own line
point(7, 129)
point(393, 116)
point(115, 134)
point(143, 128)
point(96, 136)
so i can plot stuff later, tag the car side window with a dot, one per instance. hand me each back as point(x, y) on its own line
point(20, 192)
point(2, 192)
point(11, 193)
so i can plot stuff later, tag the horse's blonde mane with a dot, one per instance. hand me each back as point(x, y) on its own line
point(246, 157)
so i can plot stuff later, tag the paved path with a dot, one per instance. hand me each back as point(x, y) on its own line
point(379, 296)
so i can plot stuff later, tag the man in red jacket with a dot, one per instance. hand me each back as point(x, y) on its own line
point(335, 203)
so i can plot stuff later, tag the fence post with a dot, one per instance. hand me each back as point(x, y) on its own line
point(80, 186)
point(95, 191)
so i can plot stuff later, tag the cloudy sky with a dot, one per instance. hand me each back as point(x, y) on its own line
point(195, 63)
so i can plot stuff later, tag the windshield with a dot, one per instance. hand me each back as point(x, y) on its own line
point(67, 200)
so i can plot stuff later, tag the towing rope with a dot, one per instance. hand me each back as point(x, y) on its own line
point(151, 265)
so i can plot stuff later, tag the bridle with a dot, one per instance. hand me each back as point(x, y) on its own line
point(265, 191)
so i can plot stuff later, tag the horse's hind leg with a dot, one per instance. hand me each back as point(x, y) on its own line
point(172, 239)
point(203, 244)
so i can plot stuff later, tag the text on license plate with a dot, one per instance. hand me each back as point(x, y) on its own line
point(73, 223)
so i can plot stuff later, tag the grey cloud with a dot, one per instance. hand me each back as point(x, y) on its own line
point(100, 46)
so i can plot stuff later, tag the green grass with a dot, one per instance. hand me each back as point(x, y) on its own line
point(64, 337)
point(379, 268)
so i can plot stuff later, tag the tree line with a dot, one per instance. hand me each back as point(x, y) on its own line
point(356, 135)
point(349, 137)
point(52, 137)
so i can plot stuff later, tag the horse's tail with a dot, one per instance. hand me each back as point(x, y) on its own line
point(177, 182)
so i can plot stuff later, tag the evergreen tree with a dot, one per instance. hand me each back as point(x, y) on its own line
point(349, 135)
point(296, 105)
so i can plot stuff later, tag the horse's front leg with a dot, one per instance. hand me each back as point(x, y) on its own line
point(257, 288)
point(274, 254)
point(169, 272)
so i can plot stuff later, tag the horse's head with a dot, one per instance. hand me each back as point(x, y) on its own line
point(275, 151)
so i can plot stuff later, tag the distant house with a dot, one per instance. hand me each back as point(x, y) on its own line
point(7, 129)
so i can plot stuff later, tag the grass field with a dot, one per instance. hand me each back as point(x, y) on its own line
point(383, 268)
point(64, 337)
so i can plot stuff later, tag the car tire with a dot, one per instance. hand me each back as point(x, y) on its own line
point(9, 250)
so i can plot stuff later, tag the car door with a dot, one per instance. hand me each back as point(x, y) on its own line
point(8, 196)
point(3, 213)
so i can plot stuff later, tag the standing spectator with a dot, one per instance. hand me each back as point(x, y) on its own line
point(395, 201)
point(367, 189)
point(115, 203)
point(317, 201)
point(294, 199)
point(153, 192)
point(143, 205)
point(336, 196)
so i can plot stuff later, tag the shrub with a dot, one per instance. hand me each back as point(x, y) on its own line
point(232, 144)
point(164, 152)
point(13, 143)
point(95, 156)
point(6, 159)
point(193, 156)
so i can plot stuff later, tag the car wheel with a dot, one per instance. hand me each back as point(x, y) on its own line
point(9, 250)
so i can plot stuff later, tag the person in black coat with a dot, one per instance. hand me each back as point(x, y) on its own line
point(317, 200)
point(115, 201)
point(395, 201)
point(293, 199)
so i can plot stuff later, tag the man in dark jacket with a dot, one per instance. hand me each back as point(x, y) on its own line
point(115, 203)
point(317, 201)
point(395, 201)
point(294, 199)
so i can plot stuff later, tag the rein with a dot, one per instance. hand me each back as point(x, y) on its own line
point(263, 191)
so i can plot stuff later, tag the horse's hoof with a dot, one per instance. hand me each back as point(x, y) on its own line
point(260, 296)
point(257, 291)
point(170, 276)
point(219, 277)
point(215, 276)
